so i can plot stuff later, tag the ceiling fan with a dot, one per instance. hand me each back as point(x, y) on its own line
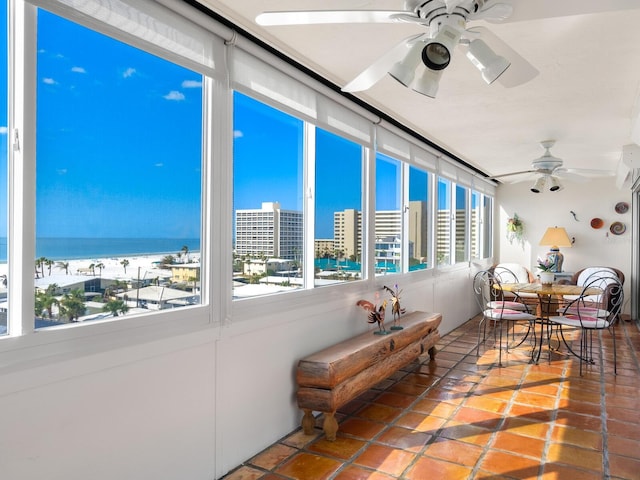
point(446, 28)
point(550, 171)
point(445, 22)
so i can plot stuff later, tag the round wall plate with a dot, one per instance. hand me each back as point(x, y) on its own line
point(596, 223)
point(618, 228)
point(622, 207)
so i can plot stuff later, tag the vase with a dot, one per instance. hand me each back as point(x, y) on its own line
point(546, 278)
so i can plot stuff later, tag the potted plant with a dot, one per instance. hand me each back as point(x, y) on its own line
point(546, 270)
point(515, 230)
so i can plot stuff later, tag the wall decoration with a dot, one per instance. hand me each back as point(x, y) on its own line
point(622, 207)
point(597, 223)
point(515, 230)
point(618, 228)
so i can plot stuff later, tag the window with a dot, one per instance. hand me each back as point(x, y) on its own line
point(461, 224)
point(476, 225)
point(267, 199)
point(443, 222)
point(338, 209)
point(388, 215)
point(4, 194)
point(118, 177)
point(487, 226)
point(418, 219)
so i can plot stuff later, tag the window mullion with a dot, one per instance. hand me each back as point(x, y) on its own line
point(22, 174)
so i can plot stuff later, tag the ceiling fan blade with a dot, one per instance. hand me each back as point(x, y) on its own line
point(524, 10)
point(494, 177)
point(311, 17)
point(496, 13)
point(584, 172)
point(374, 72)
point(520, 71)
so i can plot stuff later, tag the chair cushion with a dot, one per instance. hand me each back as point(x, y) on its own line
point(580, 321)
point(584, 311)
point(507, 314)
point(507, 305)
point(521, 272)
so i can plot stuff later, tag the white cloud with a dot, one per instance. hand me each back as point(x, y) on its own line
point(159, 164)
point(174, 95)
point(78, 70)
point(3, 130)
point(238, 134)
point(61, 171)
point(191, 84)
point(49, 81)
point(129, 72)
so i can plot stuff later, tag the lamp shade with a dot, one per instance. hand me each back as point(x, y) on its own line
point(556, 237)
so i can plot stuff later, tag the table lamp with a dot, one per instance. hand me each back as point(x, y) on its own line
point(556, 237)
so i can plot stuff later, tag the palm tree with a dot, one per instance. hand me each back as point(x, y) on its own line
point(92, 267)
point(42, 261)
point(100, 266)
point(46, 300)
point(185, 253)
point(49, 264)
point(116, 307)
point(124, 264)
point(63, 266)
point(72, 305)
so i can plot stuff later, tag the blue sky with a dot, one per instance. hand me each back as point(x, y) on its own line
point(118, 138)
point(119, 145)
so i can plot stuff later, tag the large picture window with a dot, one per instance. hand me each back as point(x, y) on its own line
point(267, 199)
point(338, 209)
point(418, 219)
point(444, 221)
point(118, 178)
point(388, 215)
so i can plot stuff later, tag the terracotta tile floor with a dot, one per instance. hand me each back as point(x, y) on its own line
point(465, 417)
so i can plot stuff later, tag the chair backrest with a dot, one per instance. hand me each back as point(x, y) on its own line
point(512, 273)
point(611, 300)
point(484, 290)
point(582, 276)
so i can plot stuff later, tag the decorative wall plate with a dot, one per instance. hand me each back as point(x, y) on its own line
point(596, 223)
point(618, 228)
point(622, 207)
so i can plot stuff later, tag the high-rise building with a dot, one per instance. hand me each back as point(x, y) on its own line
point(347, 232)
point(269, 232)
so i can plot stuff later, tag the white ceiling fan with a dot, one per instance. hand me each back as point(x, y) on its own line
point(550, 171)
point(418, 61)
point(445, 22)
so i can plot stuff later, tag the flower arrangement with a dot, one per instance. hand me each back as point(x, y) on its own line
point(515, 230)
point(546, 265)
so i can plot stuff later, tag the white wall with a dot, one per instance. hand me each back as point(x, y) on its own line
point(595, 198)
point(153, 404)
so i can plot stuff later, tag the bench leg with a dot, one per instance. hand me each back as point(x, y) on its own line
point(330, 426)
point(308, 422)
point(432, 353)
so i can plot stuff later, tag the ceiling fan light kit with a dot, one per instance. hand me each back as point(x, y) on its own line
point(491, 66)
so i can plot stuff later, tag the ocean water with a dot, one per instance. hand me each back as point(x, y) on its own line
point(75, 248)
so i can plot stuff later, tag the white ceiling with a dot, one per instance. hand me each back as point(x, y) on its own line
point(583, 97)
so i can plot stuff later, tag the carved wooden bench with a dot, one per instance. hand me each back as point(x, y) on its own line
point(332, 377)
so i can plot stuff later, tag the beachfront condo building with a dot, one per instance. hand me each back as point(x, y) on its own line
point(347, 229)
point(269, 232)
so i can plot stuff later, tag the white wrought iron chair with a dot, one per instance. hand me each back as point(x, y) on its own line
point(592, 313)
point(488, 293)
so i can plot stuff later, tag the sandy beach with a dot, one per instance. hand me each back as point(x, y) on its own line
point(144, 266)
